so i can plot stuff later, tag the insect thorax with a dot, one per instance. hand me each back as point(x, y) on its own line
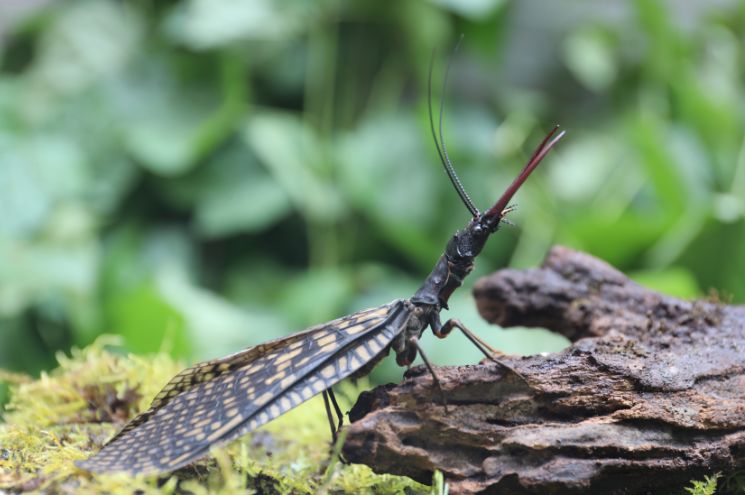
point(404, 344)
point(454, 265)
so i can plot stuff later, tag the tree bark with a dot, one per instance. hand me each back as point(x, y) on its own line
point(650, 395)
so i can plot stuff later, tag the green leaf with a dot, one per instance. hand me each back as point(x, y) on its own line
point(706, 487)
point(584, 170)
point(618, 241)
point(241, 207)
point(400, 197)
point(88, 41)
point(64, 268)
point(439, 486)
point(216, 326)
point(673, 281)
point(167, 135)
point(207, 24)
point(134, 254)
point(650, 138)
point(717, 258)
point(147, 321)
point(162, 142)
point(21, 350)
point(41, 171)
point(473, 9)
point(135, 306)
point(292, 153)
point(590, 57)
point(317, 295)
point(257, 280)
point(236, 195)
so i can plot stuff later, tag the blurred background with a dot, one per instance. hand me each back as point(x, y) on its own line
point(200, 176)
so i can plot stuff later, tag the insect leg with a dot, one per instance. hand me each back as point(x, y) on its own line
point(441, 331)
point(328, 414)
point(435, 380)
point(340, 416)
point(475, 339)
point(337, 409)
point(482, 346)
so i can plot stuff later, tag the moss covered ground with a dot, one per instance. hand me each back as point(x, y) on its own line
point(67, 414)
point(70, 412)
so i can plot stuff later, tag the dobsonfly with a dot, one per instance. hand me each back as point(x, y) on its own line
point(217, 401)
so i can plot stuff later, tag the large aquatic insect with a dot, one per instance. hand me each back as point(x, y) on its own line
point(217, 401)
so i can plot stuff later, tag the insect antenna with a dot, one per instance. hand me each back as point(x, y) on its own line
point(442, 151)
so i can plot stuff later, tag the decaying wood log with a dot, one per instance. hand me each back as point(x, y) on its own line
point(650, 395)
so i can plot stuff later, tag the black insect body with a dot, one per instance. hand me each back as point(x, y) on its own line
point(217, 401)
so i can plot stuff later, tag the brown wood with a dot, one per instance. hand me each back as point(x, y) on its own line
point(650, 395)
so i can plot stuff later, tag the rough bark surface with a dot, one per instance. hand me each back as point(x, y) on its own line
point(650, 395)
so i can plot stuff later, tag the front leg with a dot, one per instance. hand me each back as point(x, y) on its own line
point(475, 339)
point(443, 330)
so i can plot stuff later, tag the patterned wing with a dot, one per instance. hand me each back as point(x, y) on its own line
point(217, 401)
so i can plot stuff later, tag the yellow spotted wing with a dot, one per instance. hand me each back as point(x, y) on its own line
point(216, 401)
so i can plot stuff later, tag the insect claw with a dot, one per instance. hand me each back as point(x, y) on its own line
point(510, 369)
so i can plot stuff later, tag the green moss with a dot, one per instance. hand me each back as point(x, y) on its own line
point(69, 413)
point(706, 487)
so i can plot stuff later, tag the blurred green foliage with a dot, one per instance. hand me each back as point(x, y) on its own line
point(199, 176)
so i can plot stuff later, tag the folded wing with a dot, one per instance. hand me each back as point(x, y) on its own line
point(216, 401)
